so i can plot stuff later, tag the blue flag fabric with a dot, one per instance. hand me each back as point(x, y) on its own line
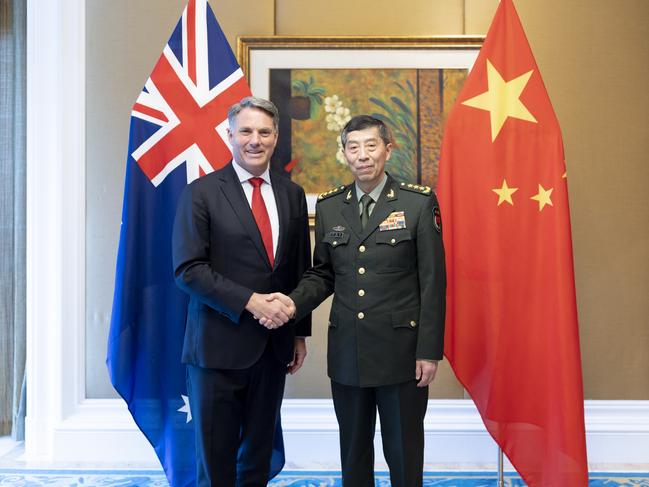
point(177, 133)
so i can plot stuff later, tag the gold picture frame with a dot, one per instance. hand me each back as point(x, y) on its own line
point(318, 82)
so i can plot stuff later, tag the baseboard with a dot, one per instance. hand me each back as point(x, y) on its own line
point(101, 432)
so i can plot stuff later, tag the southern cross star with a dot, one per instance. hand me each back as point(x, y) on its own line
point(185, 408)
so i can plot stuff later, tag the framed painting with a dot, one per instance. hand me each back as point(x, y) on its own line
point(319, 83)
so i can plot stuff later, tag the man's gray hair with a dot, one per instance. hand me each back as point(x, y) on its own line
point(254, 102)
point(361, 122)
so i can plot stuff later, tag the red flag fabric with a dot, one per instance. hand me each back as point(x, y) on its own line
point(511, 331)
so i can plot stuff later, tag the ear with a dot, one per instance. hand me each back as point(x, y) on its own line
point(388, 150)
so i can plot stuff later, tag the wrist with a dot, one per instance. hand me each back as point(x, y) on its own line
point(250, 305)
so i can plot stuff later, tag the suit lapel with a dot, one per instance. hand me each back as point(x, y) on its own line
point(231, 187)
point(283, 212)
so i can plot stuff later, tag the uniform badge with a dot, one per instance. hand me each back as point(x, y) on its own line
point(395, 221)
point(437, 219)
point(338, 228)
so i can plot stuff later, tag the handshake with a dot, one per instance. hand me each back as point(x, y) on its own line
point(272, 310)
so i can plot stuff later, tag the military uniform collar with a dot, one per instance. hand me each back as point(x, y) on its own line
point(375, 193)
point(388, 187)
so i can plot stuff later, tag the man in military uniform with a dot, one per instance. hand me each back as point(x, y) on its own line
point(379, 250)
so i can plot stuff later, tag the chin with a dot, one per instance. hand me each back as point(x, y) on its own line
point(367, 177)
point(256, 162)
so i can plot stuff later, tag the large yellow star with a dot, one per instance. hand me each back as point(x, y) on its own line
point(501, 100)
point(543, 197)
point(505, 193)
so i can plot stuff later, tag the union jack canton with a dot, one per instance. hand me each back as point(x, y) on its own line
point(187, 96)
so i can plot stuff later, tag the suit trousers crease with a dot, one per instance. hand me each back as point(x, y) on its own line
point(235, 414)
point(401, 408)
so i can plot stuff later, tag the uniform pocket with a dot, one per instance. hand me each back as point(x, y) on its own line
point(335, 239)
point(408, 318)
point(338, 250)
point(393, 237)
point(396, 251)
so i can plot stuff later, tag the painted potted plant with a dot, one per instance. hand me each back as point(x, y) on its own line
point(306, 98)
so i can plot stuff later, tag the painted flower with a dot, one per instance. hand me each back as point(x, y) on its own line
point(336, 119)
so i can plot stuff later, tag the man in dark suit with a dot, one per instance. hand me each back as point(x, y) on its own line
point(379, 250)
point(240, 232)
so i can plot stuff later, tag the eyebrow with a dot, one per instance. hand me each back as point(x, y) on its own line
point(245, 127)
point(354, 141)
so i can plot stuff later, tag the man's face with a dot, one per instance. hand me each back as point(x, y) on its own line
point(366, 154)
point(253, 138)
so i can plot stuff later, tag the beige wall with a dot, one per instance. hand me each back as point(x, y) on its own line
point(594, 58)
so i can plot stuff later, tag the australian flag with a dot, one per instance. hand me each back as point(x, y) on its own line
point(177, 134)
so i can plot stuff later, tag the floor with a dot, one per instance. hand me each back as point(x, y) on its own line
point(143, 478)
point(15, 472)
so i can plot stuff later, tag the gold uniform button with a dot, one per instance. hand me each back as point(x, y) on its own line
point(361, 315)
point(361, 248)
point(361, 292)
point(361, 270)
point(391, 241)
point(413, 323)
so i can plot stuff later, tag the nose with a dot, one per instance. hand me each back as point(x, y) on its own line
point(255, 138)
point(362, 155)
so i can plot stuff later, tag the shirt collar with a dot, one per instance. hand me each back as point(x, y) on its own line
point(375, 193)
point(244, 175)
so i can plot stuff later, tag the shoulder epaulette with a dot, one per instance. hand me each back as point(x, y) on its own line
point(331, 192)
point(417, 188)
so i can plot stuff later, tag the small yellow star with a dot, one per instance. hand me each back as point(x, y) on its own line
point(502, 99)
point(543, 197)
point(505, 193)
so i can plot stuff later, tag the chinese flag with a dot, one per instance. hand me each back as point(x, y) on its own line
point(511, 330)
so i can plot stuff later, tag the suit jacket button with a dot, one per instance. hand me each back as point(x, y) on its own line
point(361, 292)
point(413, 323)
point(361, 248)
point(361, 270)
point(335, 243)
point(392, 241)
point(361, 315)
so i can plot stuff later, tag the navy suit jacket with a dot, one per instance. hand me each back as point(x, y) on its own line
point(219, 260)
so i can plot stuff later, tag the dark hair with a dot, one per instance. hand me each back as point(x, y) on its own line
point(254, 102)
point(360, 122)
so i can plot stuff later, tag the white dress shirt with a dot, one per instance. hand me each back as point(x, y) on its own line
point(266, 193)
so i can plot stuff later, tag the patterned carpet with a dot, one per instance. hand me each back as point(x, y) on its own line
point(144, 478)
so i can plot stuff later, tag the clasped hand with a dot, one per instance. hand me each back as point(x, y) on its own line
point(272, 310)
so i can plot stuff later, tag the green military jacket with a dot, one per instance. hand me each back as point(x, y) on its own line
point(388, 280)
